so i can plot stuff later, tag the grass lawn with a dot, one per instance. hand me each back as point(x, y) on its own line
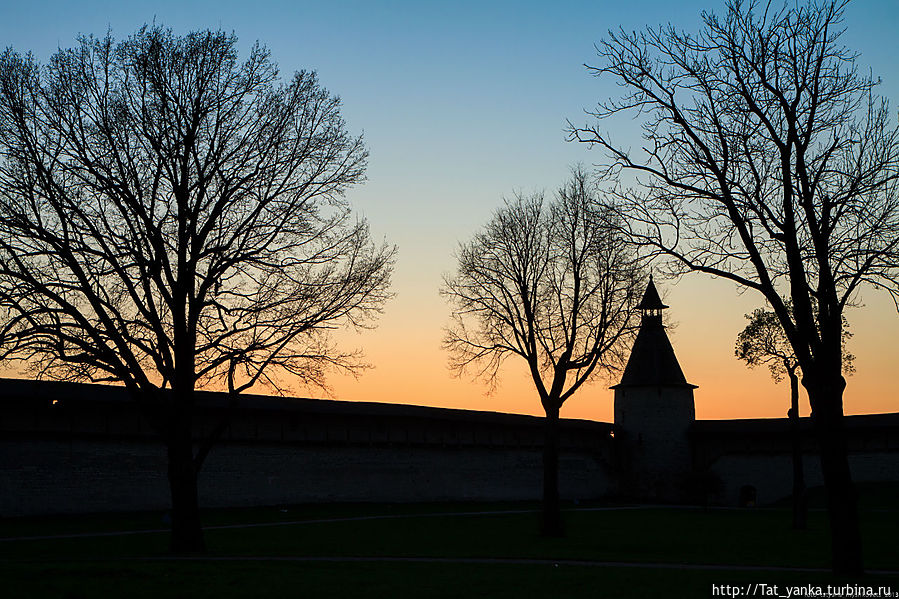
point(138, 565)
point(388, 581)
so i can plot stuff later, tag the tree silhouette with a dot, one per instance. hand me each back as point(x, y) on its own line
point(553, 284)
point(763, 342)
point(173, 218)
point(770, 162)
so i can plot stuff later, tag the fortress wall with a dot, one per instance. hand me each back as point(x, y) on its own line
point(758, 453)
point(772, 474)
point(67, 448)
point(45, 476)
point(264, 475)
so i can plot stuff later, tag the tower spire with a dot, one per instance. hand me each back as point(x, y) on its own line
point(651, 305)
point(652, 361)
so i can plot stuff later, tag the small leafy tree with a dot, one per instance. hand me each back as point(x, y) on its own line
point(553, 284)
point(763, 342)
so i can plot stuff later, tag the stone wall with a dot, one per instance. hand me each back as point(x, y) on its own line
point(772, 478)
point(67, 448)
point(757, 454)
point(47, 477)
point(85, 448)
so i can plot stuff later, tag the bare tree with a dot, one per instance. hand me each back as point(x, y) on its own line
point(173, 218)
point(769, 161)
point(763, 342)
point(553, 284)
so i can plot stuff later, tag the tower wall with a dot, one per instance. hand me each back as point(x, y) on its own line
point(651, 430)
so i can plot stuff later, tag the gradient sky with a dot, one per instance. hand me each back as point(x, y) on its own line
point(462, 103)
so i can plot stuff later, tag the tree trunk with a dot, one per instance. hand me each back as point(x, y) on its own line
point(826, 398)
point(187, 532)
point(800, 499)
point(552, 511)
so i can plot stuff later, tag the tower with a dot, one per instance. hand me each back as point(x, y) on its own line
point(654, 411)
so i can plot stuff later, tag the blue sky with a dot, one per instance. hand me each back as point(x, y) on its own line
point(461, 104)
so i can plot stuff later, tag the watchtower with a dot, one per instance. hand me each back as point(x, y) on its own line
point(654, 411)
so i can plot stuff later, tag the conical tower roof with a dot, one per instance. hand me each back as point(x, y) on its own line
point(651, 299)
point(652, 362)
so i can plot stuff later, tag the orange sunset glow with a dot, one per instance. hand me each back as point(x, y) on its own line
point(458, 111)
point(705, 316)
